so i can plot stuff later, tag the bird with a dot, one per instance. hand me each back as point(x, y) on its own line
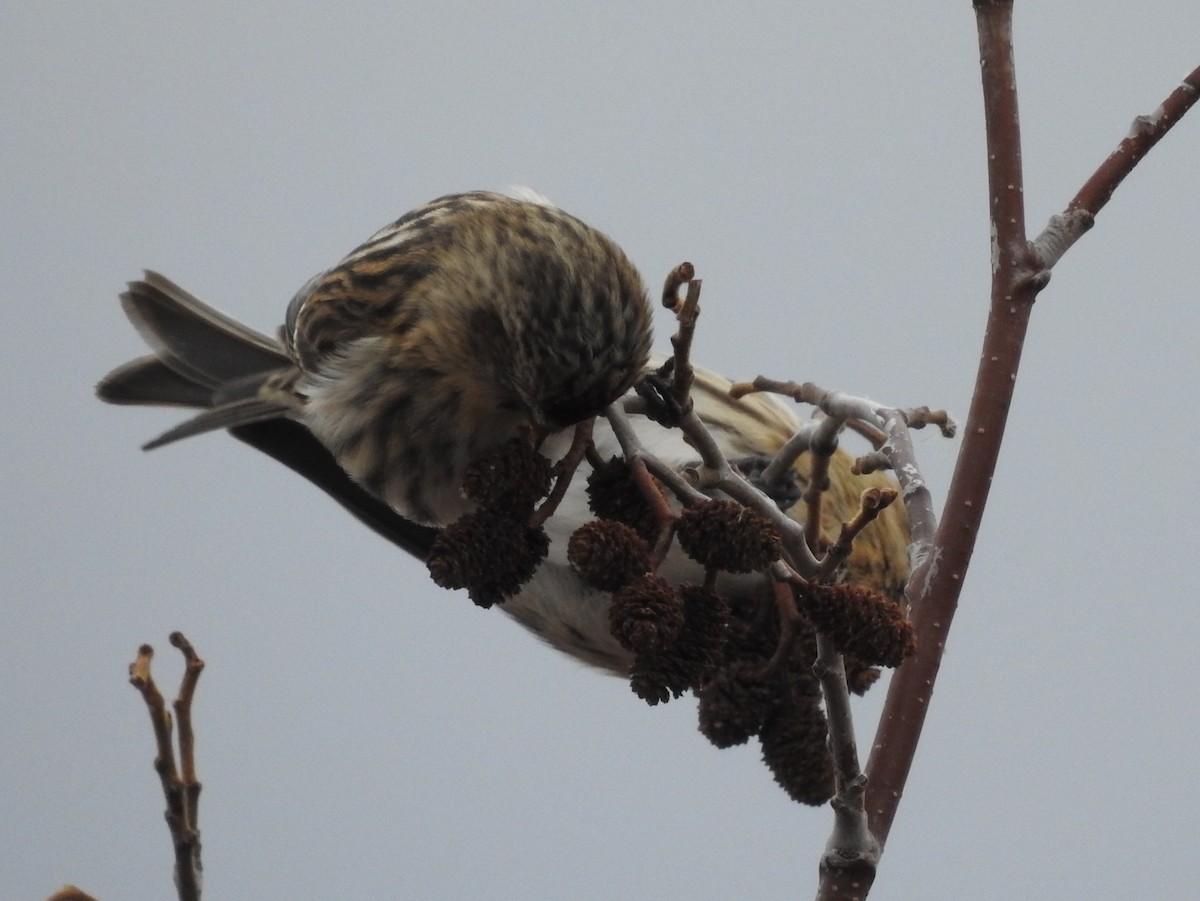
point(473, 320)
point(466, 322)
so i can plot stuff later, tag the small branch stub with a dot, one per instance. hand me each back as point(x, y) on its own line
point(180, 786)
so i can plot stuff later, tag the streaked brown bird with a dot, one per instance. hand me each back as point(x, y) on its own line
point(452, 330)
point(473, 319)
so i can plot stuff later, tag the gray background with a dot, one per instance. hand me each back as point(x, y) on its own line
point(363, 734)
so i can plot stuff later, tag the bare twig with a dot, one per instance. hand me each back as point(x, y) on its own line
point(716, 473)
point(789, 619)
point(778, 470)
point(1067, 227)
point(850, 844)
point(919, 417)
point(872, 502)
point(918, 502)
point(823, 446)
point(686, 312)
point(181, 789)
point(1019, 272)
point(565, 471)
point(633, 450)
point(872, 462)
point(858, 413)
point(193, 666)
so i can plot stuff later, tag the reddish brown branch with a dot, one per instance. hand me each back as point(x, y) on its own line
point(686, 312)
point(1019, 272)
point(565, 471)
point(789, 619)
point(937, 580)
point(1065, 228)
point(662, 511)
point(1145, 132)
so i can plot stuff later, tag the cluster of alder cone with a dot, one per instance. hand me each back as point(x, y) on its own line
point(752, 676)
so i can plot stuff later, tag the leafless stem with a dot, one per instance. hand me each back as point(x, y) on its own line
point(936, 580)
point(686, 312)
point(823, 446)
point(1067, 227)
point(662, 511)
point(919, 417)
point(872, 462)
point(789, 619)
point(918, 502)
point(193, 666)
point(565, 471)
point(857, 413)
point(633, 450)
point(716, 473)
point(182, 790)
point(872, 502)
point(850, 844)
point(1019, 272)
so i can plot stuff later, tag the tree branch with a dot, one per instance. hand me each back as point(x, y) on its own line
point(1067, 227)
point(180, 786)
point(1020, 270)
point(936, 580)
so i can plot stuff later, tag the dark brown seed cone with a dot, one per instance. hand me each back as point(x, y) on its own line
point(613, 494)
point(727, 536)
point(608, 554)
point(794, 749)
point(694, 656)
point(701, 642)
point(734, 705)
point(490, 555)
point(646, 615)
point(508, 479)
point(753, 628)
point(652, 679)
point(860, 622)
point(859, 676)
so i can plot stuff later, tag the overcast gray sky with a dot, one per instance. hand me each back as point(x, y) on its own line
point(365, 734)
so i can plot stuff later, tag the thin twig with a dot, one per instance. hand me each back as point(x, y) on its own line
point(181, 791)
point(872, 502)
point(919, 417)
point(850, 844)
point(662, 511)
point(789, 620)
point(686, 313)
point(918, 501)
point(1067, 227)
point(565, 471)
point(633, 450)
point(875, 461)
point(859, 414)
point(716, 473)
point(824, 445)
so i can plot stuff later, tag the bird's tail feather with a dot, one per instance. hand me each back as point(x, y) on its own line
point(202, 359)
